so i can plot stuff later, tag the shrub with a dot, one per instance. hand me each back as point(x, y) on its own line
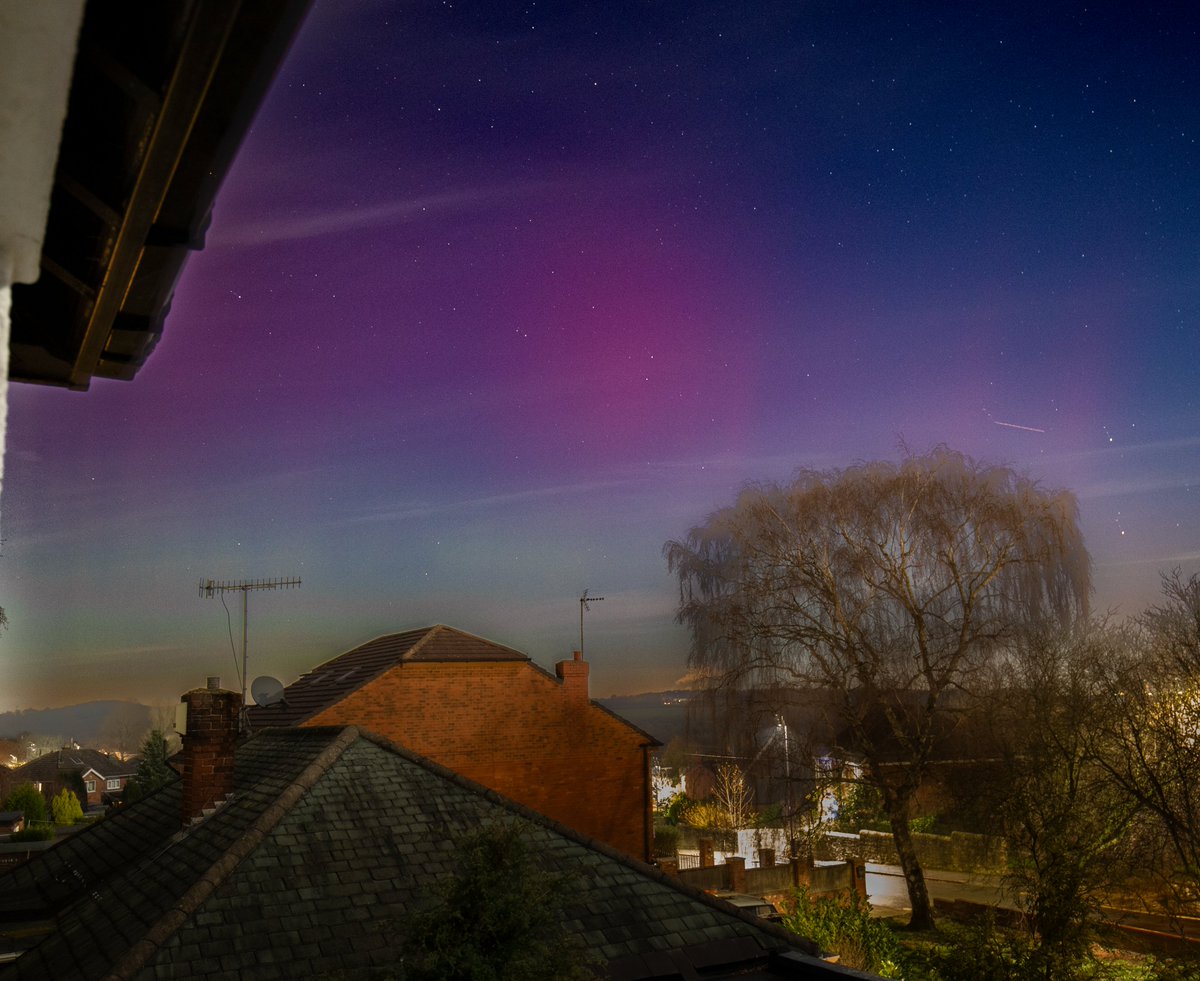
point(706, 817)
point(676, 807)
point(978, 952)
point(29, 800)
point(845, 927)
point(666, 840)
point(65, 807)
point(34, 832)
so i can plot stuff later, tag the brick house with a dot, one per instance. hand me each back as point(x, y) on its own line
point(490, 713)
point(305, 851)
point(92, 775)
point(106, 784)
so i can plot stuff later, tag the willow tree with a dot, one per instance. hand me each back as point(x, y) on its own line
point(886, 586)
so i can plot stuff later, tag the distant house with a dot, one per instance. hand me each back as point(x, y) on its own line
point(488, 712)
point(88, 773)
point(106, 785)
point(307, 857)
point(11, 822)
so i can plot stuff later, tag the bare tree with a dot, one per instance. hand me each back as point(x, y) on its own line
point(125, 728)
point(889, 585)
point(1066, 820)
point(1152, 744)
point(733, 796)
point(162, 719)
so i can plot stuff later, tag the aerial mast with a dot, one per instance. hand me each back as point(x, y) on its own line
point(584, 600)
point(213, 587)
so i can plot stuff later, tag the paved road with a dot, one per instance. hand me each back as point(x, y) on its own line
point(889, 896)
point(887, 892)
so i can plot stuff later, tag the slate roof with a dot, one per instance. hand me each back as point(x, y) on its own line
point(332, 839)
point(332, 681)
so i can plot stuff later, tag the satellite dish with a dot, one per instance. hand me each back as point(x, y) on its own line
point(266, 691)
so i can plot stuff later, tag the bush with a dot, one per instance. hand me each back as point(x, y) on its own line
point(861, 807)
point(666, 840)
point(978, 952)
point(34, 832)
point(1174, 970)
point(845, 927)
point(29, 800)
point(65, 807)
point(676, 806)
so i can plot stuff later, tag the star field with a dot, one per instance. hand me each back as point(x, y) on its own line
point(497, 299)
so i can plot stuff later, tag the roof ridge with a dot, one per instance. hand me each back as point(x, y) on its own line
point(407, 655)
point(166, 925)
point(357, 647)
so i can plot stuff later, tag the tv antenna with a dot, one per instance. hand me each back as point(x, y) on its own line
point(584, 600)
point(214, 587)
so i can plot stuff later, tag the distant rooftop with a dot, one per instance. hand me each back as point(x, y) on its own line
point(332, 681)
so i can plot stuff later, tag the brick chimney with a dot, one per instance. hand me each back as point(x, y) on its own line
point(208, 744)
point(574, 675)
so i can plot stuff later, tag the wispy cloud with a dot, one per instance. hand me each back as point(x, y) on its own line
point(1142, 484)
point(1122, 448)
point(1162, 561)
point(315, 224)
point(425, 510)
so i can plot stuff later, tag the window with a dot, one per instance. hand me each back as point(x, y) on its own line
point(112, 784)
point(91, 786)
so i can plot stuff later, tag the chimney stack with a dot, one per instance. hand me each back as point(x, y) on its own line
point(208, 745)
point(574, 675)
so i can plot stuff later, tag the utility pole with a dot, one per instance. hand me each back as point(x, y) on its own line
point(212, 587)
point(584, 600)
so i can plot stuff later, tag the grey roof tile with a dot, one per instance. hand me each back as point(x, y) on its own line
point(327, 882)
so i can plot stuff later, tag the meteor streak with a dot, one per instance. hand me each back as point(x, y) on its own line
point(1013, 425)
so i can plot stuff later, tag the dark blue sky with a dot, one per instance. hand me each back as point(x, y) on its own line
point(498, 299)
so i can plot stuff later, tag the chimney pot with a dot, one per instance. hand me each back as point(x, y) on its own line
point(214, 682)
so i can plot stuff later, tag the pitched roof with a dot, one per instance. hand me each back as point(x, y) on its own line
point(50, 766)
point(333, 838)
point(329, 683)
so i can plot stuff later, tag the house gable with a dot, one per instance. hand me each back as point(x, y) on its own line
point(489, 712)
point(509, 726)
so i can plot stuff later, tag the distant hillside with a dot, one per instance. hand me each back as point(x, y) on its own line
point(663, 714)
point(85, 723)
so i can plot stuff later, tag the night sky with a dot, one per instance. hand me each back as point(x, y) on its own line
point(497, 299)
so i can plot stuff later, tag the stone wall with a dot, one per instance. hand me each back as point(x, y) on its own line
point(955, 852)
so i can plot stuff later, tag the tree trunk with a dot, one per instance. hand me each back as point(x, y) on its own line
point(914, 876)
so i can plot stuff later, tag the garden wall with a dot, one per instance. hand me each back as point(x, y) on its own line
point(955, 852)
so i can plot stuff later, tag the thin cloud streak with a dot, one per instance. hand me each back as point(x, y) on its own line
point(1135, 485)
point(272, 231)
point(491, 500)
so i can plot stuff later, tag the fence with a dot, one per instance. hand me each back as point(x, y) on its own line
point(778, 880)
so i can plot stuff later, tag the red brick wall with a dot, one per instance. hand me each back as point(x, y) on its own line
point(510, 727)
point(208, 744)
